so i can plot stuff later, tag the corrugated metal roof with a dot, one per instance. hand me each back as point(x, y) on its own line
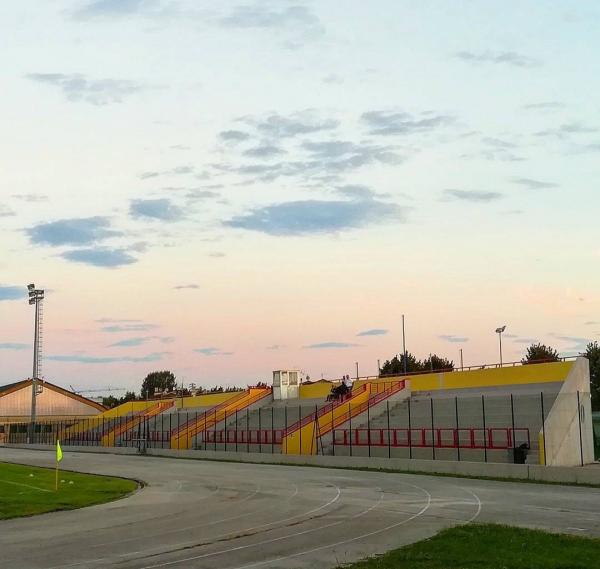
point(11, 385)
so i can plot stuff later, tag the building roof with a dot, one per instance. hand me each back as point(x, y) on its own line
point(16, 386)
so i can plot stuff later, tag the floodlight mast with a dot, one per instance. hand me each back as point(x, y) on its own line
point(36, 297)
point(499, 332)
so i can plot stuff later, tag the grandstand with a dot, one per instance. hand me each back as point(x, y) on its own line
point(478, 414)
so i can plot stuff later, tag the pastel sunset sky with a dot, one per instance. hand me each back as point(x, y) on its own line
point(226, 188)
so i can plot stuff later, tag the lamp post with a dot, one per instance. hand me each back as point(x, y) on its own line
point(461, 359)
point(404, 346)
point(499, 332)
point(36, 297)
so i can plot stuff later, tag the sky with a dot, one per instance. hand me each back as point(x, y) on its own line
point(225, 189)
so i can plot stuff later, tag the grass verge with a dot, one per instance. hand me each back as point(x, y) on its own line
point(29, 490)
point(490, 546)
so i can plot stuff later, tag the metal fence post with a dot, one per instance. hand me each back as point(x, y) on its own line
point(369, 426)
point(272, 430)
point(247, 430)
point(457, 428)
point(512, 415)
point(300, 423)
point(389, 434)
point(225, 428)
point(236, 429)
point(432, 431)
point(259, 430)
point(409, 431)
point(579, 421)
point(332, 431)
point(350, 427)
point(484, 429)
point(318, 432)
point(543, 426)
point(285, 420)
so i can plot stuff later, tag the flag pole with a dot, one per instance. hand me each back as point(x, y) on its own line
point(59, 456)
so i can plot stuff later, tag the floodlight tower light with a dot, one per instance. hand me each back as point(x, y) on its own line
point(36, 297)
point(499, 332)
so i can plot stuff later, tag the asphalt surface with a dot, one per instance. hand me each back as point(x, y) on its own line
point(215, 515)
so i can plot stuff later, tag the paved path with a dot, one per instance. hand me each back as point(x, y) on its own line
point(215, 515)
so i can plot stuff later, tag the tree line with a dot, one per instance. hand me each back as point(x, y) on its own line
point(162, 382)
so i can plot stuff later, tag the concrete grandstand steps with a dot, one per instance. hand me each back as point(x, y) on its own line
point(494, 412)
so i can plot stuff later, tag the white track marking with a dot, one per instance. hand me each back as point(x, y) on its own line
point(99, 559)
point(479, 506)
point(25, 485)
point(245, 530)
point(146, 536)
point(344, 542)
point(281, 538)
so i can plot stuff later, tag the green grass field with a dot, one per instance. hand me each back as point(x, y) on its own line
point(26, 490)
point(491, 547)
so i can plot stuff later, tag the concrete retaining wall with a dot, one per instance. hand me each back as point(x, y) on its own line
point(569, 475)
point(568, 430)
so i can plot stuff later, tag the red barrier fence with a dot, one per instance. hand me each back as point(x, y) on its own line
point(250, 436)
point(493, 438)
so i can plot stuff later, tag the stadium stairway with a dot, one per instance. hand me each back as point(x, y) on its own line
point(111, 437)
point(185, 436)
point(311, 434)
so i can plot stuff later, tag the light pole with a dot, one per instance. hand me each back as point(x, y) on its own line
point(404, 346)
point(461, 359)
point(36, 297)
point(499, 332)
point(356, 371)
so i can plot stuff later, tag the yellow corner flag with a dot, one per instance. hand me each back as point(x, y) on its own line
point(59, 457)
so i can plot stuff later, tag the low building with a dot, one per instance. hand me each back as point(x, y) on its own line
point(53, 404)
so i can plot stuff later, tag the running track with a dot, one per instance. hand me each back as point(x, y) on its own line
point(215, 515)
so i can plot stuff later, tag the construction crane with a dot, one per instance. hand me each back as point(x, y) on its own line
point(99, 390)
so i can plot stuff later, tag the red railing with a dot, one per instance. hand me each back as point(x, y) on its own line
point(212, 412)
point(311, 417)
point(382, 390)
point(222, 436)
point(393, 388)
point(248, 436)
point(492, 438)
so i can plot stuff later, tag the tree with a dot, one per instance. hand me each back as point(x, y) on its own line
point(537, 353)
point(112, 401)
point(436, 363)
point(158, 381)
point(592, 353)
point(395, 366)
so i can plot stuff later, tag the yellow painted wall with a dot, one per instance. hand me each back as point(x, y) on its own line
point(125, 408)
point(493, 377)
point(496, 377)
point(315, 390)
point(207, 400)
